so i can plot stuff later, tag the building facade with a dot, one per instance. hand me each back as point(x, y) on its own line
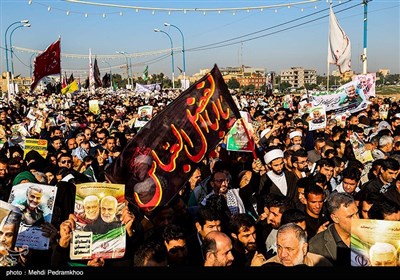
point(297, 77)
point(243, 74)
point(21, 84)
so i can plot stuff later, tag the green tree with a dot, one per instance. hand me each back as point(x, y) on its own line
point(233, 84)
point(117, 79)
point(321, 80)
point(248, 88)
point(311, 86)
point(284, 86)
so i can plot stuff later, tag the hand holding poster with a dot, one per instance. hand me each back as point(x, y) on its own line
point(145, 115)
point(36, 201)
point(99, 230)
point(317, 117)
point(360, 152)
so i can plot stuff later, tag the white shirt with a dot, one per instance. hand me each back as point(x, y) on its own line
point(279, 181)
point(270, 243)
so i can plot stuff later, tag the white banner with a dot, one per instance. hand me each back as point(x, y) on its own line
point(147, 88)
point(349, 97)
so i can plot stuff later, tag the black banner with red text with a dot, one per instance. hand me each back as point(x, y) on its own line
point(156, 163)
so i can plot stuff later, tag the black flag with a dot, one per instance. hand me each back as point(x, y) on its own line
point(71, 79)
point(97, 78)
point(157, 162)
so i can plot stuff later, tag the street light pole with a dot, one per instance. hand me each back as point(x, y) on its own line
point(11, 47)
point(12, 60)
point(24, 21)
point(127, 64)
point(172, 55)
point(183, 50)
point(111, 79)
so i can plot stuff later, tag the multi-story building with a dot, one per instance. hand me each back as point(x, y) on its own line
point(298, 76)
point(384, 72)
point(346, 76)
point(244, 75)
point(22, 84)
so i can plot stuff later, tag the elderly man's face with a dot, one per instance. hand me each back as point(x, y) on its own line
point(34, 198)
point(7, 235)
point(108, 211)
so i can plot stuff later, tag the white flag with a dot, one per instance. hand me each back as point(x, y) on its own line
point(339, 47)
point(91, 73)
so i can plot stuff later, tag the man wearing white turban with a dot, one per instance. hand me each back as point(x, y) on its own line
point(296, 137)
point(277, 180)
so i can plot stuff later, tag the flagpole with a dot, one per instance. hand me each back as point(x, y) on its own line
point(329, 49)
point(59, 38)
point(251, 139)
point(364, 55)
point(327, 79)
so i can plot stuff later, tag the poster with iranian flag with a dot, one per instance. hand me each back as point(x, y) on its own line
point(99, 231)
point(240, 137)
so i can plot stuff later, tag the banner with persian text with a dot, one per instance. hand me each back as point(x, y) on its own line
point(157, 162)
point(347, 98)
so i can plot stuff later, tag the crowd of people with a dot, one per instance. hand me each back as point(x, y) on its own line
point(290, 203)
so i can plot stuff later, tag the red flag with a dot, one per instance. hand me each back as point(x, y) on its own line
point(64, 81)
point(157, 162)
point(47, 63)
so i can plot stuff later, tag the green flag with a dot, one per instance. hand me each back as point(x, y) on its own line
point(145, 73)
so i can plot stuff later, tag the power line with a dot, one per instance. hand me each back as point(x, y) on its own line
point(215, 45)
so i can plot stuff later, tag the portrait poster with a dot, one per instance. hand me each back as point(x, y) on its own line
point(384, 111)
point(145, 113)
point(99, 231)
point(359, 150)
point(19, 130)
point(375, 242)
point(317, 117)
point(341, 119)
point(36, 202)
point(10, 218)
point(304, 107)
point(366, 82)
point(237, 139)
point(287, 101)
point(94, 106)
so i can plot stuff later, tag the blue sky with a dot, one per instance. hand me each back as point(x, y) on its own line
point(273, 40)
